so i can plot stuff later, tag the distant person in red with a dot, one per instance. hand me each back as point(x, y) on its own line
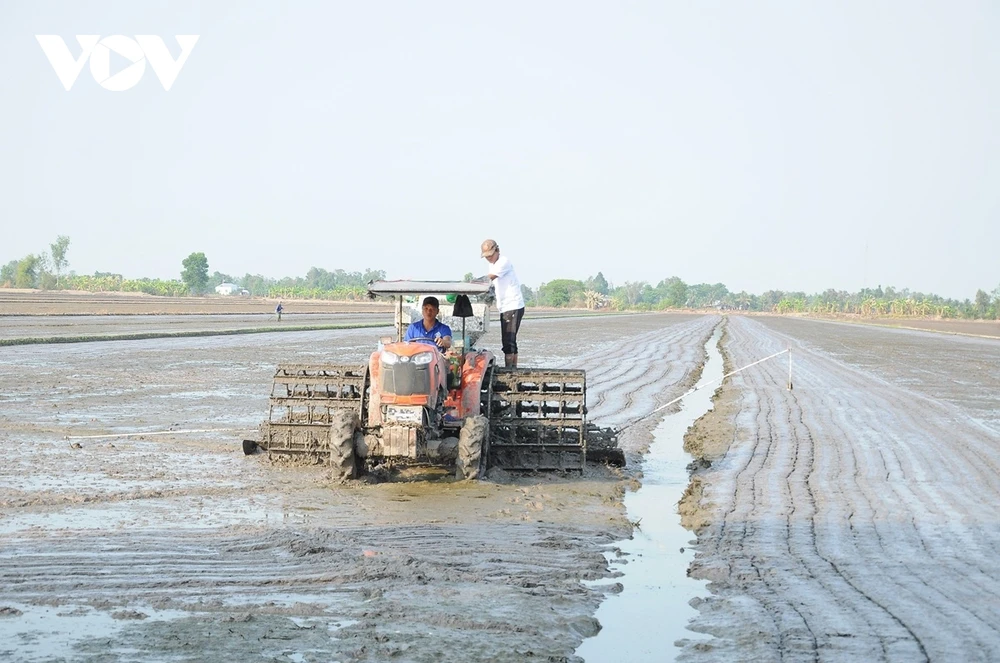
point(510, 301)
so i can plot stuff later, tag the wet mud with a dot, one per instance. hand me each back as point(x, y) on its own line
point(180, 547)
point(47, 327)
point(852, 517)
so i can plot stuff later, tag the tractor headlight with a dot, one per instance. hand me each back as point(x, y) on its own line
point(423, 358)
point(389, 358)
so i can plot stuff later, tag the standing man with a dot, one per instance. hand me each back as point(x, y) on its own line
point(510, 301)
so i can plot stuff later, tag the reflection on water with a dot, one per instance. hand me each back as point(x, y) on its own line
point(652, 611)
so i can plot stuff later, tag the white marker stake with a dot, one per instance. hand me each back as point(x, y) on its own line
point(789, 368)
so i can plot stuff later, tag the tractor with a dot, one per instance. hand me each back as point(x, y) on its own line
point(412, 403)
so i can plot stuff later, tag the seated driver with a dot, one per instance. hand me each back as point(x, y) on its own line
point(430, 329)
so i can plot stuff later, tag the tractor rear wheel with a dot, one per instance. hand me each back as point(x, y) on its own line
point(343, 460)
point(472, 448)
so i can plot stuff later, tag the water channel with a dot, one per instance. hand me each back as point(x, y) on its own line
point(642, 622)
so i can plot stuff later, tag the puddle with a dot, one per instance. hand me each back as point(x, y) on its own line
point(652, 611)
point(189, 513)
point(70, 632)
point(50, 633)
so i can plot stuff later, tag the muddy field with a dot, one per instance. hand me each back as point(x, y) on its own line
point(33, 314)
point(988, 328)
point(17, 327)
point(178, 547)
point(852, 518)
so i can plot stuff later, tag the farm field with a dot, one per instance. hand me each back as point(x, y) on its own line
point(31, 314)
point(847, 519)
point(989, 328)
point(178, 545)
point(852, 518)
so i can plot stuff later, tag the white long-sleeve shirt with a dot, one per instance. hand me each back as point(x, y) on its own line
point(506, 285)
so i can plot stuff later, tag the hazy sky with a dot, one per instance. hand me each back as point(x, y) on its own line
point(758, 144)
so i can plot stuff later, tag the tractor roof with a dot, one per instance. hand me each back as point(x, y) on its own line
point(428, 288)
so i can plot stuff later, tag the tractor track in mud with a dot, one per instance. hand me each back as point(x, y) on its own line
point(853, 515)
point(254, 560)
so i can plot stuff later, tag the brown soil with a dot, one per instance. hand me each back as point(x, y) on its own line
point(178, 546)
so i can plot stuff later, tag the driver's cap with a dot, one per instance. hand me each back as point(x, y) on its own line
point(489, 247)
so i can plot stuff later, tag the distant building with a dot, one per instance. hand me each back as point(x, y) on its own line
point(227, 289)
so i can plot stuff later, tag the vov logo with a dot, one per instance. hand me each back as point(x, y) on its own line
point(137, 51)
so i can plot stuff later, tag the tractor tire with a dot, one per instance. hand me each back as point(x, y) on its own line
point(472, 448)
point(343, 460)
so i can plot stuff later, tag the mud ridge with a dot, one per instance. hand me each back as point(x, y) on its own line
point(845, 519)
point(707, 440)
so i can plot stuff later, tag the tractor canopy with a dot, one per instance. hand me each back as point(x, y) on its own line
point(407, 287)
point(468, 321)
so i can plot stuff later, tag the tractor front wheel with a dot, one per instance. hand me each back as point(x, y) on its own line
point(343, 460)
point(472, 448)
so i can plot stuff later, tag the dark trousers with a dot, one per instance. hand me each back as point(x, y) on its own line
point(510, 322)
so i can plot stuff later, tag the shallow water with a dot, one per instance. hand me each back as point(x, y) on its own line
point(46, 633)
point(652, 611)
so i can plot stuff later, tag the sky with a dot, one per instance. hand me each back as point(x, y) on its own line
point(763, 145)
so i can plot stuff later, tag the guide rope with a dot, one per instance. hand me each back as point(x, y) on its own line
point(702, 386)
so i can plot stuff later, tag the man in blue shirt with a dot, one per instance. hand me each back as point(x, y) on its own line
point(430, 329)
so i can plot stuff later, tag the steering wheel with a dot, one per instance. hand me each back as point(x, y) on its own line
point(424, 339)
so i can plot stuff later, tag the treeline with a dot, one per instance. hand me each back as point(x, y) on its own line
point(352, 288)
point(46, 271)
point(674, 293)
point(42, 270)
point(318, 283)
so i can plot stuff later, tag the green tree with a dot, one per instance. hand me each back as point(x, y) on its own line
point(257, 284)
point(468, 277)
point(633, 291)
point(27, 272)
point(559, 292)
point(59, 262)
point(195, 274)
point(598, 284)
point(526, 292)
point(673, 292)
point(982, 302)
point(8, 274)
point(370, 275)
